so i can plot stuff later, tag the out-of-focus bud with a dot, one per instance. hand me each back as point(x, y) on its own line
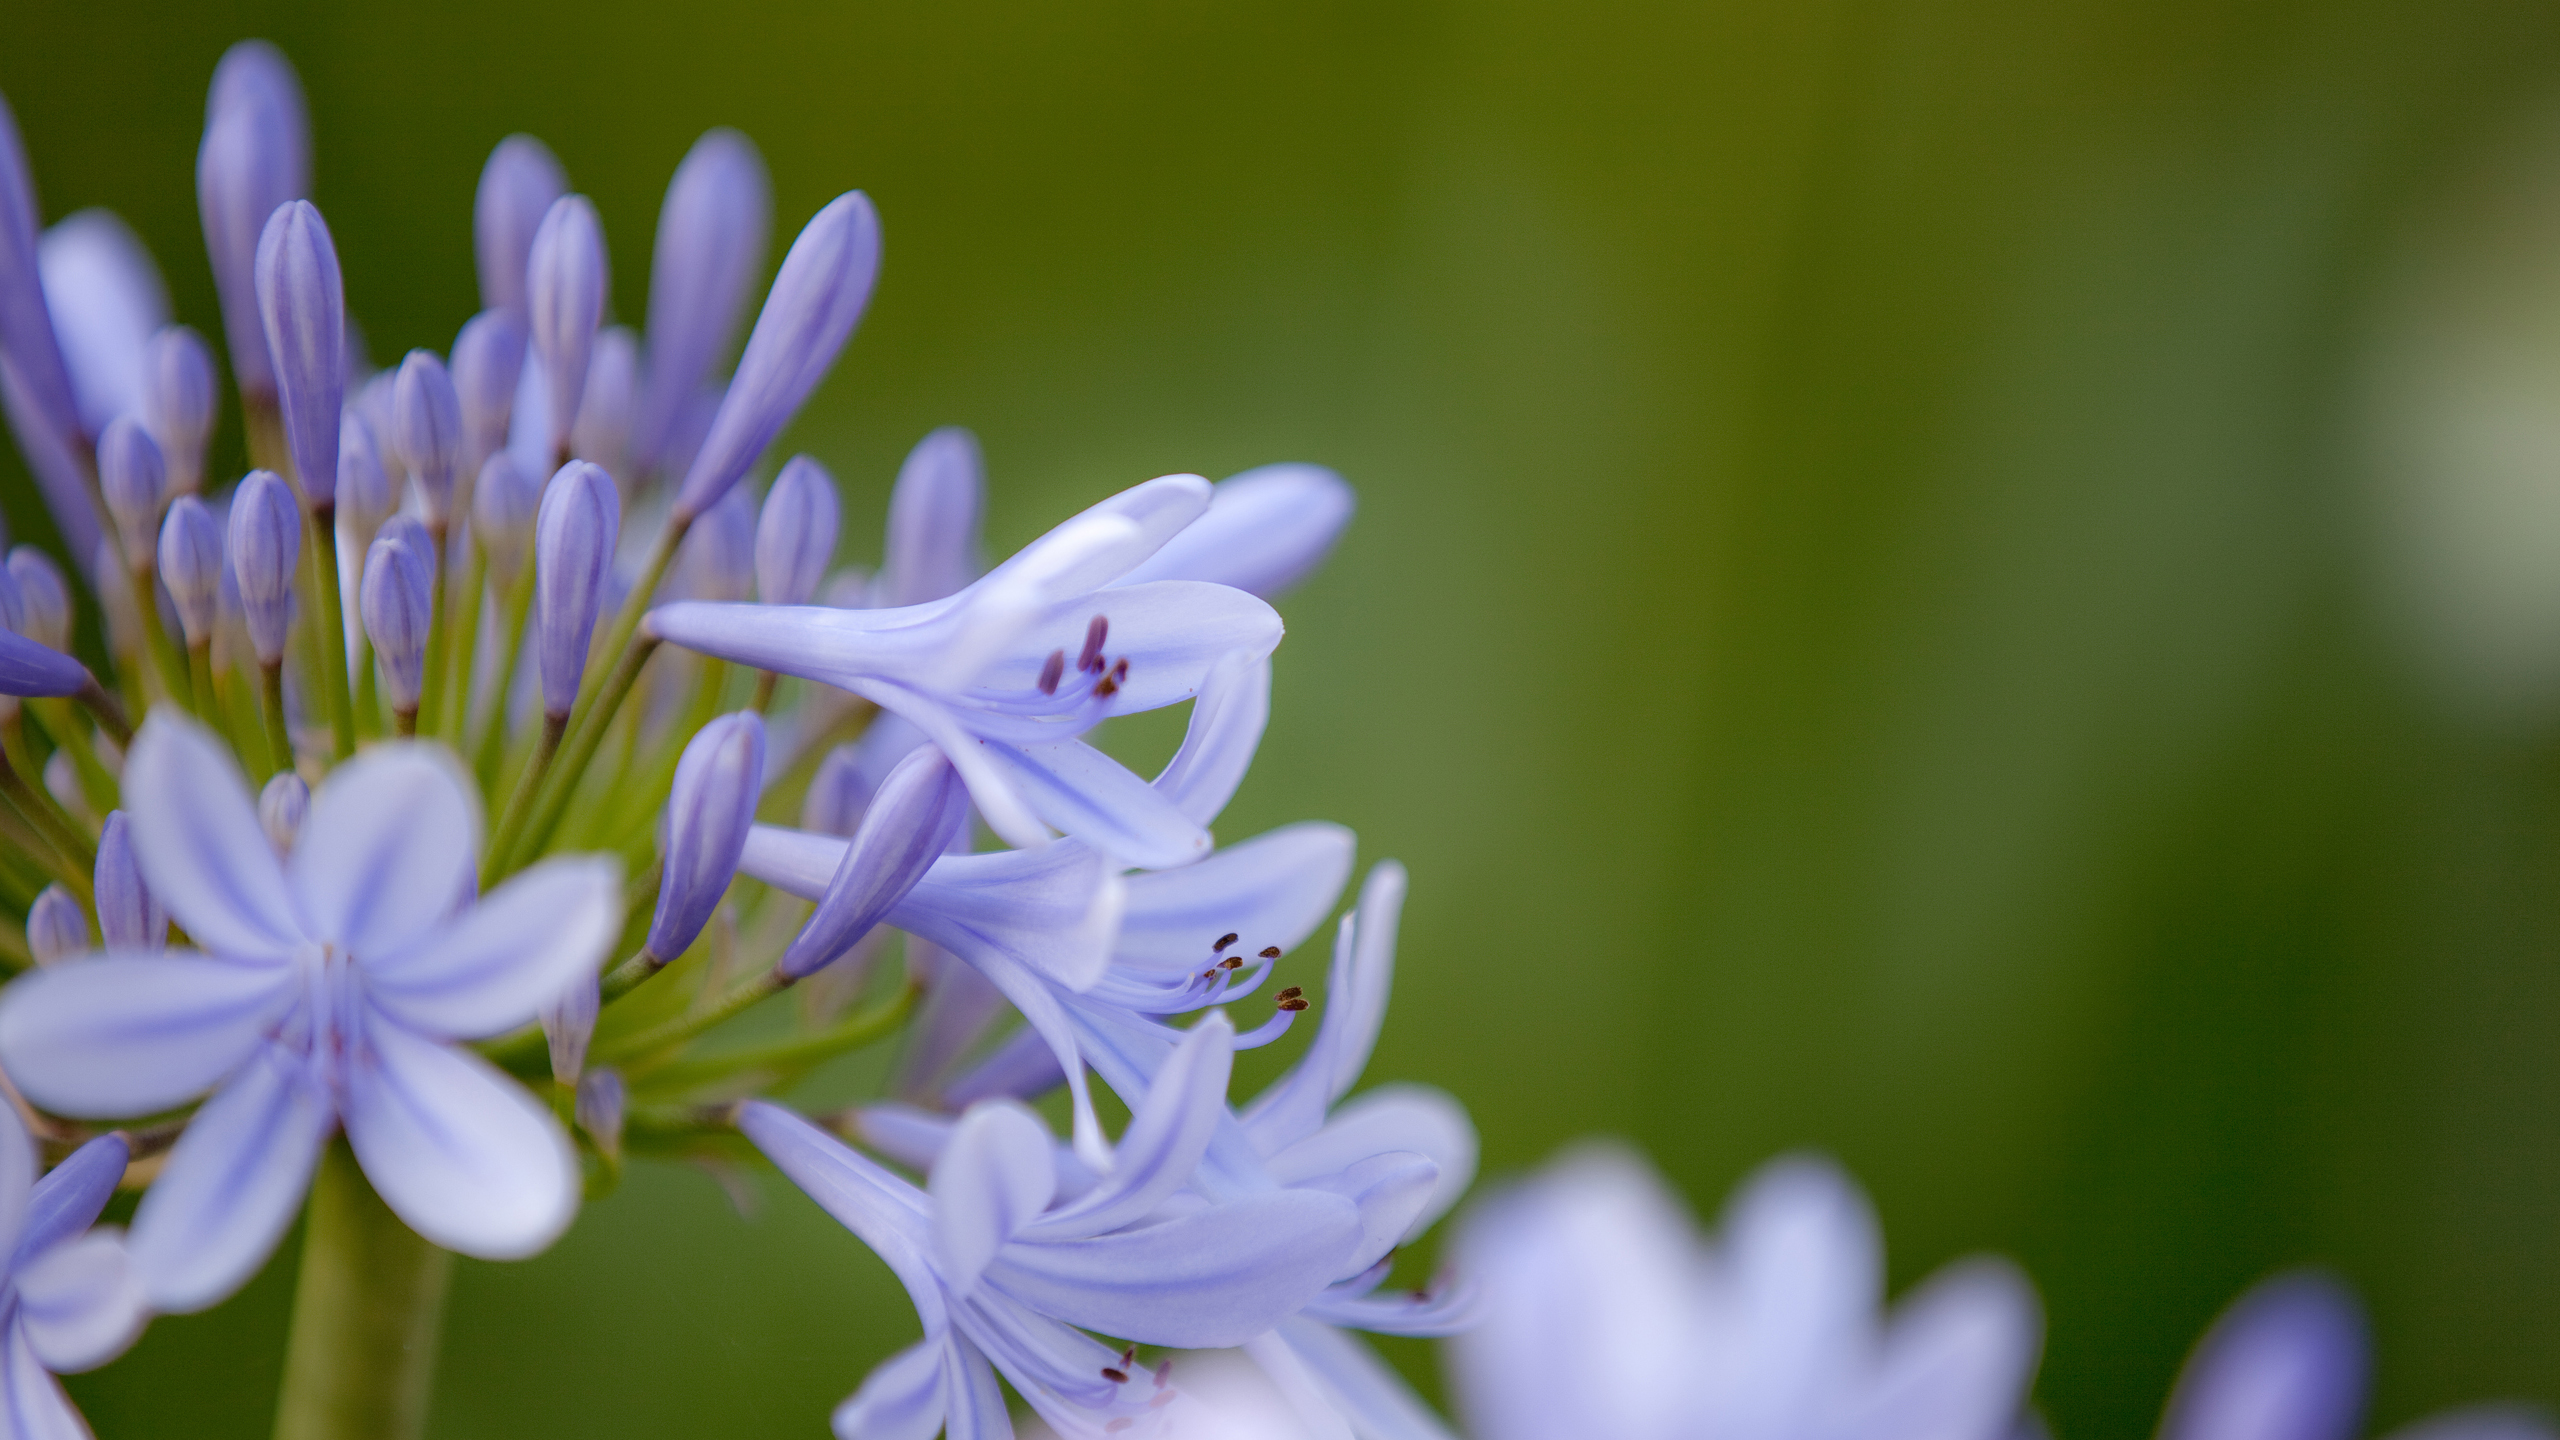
point(796, 534)
point(62, 781)
point(711, 239)
point(517, 187)
point(266, 546)
point(709, 811)
point(178, 403)
point(129, 918)
point(838, 793)
point(56, 928)
point(31, 669)
point(44, 598)
point(600, 1109)
point(39, 379)
point(569, 1023)
point(365, 495)
point(135, 481)
point(13, 604)
point(191, 566)
point(106, 299)
point(488, 359)
point(1265, 530)
point(304, 304)
point(824, 283)
point(255, 157)
point(504, 503)
point(932, 547)
point(427, 416)
point(394, 601)
point(911, 822)
point(574, 536)
point(718, 561)
point(281, 808)
point(603, 429)
point(565, 284)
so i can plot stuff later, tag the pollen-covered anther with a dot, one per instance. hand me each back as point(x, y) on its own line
point(1231, 962)
point(1223, 942)
point(1270, 952)
point(1051, 671)
point(1292, 999)
point(1090, 659)
point(1115, 1375)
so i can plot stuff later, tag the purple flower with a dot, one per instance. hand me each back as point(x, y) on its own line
point(57, 929)
point(305, 307)
point(191, 566)
point(365, 497)
point(329, 993)
point(68, 1299)
point(44, 598)
point(573, 540)
point(932, 547)
point(398, 571)
point(796, 533)
point(565, 283)
point(107, 302)
point(135, 481)
point(129, 917)
point(488, 361)
point(709, 810)
point(427, 416)
point(920, 810)
point(503, 506)
point(31, 668)
point(36, 368)
point(603, 429)
point(256, 156)
point(517, 186)
point(178, 403)
point(711, 239)
point(266, 549)
point(1265, 531)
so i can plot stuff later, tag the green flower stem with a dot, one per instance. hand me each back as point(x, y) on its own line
point(781, 1061)
point(200, 680)
point(520, 804)
point(626, 622)
point(493, 741)
point(360, 1362)
point(431, 684)
point(580, 748)
point(368, 689)
point(64, 852)
point(670, 1033)
point(155, 638)
point(464, 649)
point(330, 617)
point(271, 709)
point(61, 724)
point(103, 708)
point(766, 680)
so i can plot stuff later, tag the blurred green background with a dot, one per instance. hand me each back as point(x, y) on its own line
point(1925, 585)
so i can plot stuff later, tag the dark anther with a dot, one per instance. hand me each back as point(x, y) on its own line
point(1050, 671)
point(1223, 942)
point(1230, 963)
point(1105, 688)
point(1164, 1373)
point(1120, 672)
point(1294, 1004)
point(1091, 659)
point(1116, 1377)
point(1270, 952)
point(1292, 993)
point(1128, 1357)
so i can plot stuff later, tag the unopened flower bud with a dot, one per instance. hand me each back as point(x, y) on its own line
point(709, 811)
point(30, 668)
point(13, 603)
point(517, 187)
point(56, 928)
point(129, 917)
point(395, 606)
point(191, 566)
point(569, 1024)
point(910, 823)
point(796, 534)
point(605, 412)
point(504, 503)
point(62, 782)
point(809, 313)
point(40, 394)
point(366, 497)
point(178, 403)
point(711, 242)
point(44, 598)
point(600, 1109)
point(427, 416)
point(135, 480)
point(266, 546)
point(838, 793)
point(304, 304)
point(932, 547)
point(565, 284)
point(256, 156)
point(574, 536)
point(281, 807)
point(719, 557)
point(488, 359)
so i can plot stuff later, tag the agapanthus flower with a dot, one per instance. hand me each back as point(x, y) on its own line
point(68, 1299)
point(326, 995)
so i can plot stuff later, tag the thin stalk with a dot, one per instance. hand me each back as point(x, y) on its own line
point(520, 804)
point(71, 859)
point(103, 707)
point(581, 747)
point(367, 1310)
point(431, 679)
point(330, 615)
point(155, 638)
point(626, 622)
point(493, 740)
point(797, 1052)
point(368, 689)
point(200, 678)
point(684, 1027)
point(61, 724)
point(271, 709)
point(766, 680)
point(404, 723)
point(465, 650)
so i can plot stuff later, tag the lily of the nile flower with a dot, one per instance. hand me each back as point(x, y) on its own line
point(191, 566)
point(328, 994)
point(304, 303)
point(44, 597)
point(32, 669)
point(130, 917)
point(178, 403)
point(256, 156)
point(35, 383)
point(1008, 1261)
point(266, 550)
point(565, 284)
point(1606, 1313)
point(68, 1298)
point(2289, 1361)
point(107, 302)
point(57, 928)
point(517, 188)
point(711, 242)
point(488, 363)
point(796, 533)
point(1266, 530)
point(1006, 674)
point(602, 432)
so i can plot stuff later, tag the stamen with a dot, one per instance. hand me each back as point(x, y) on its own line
point(1094, 631)
point(1294, 1003)
point(1223, 942)
point(1116, 1377)
point(1051, 670)
point(1231, 962)
point(1270, 952)
point(1164, 1373)
point(1292, 993)
point(1129, 1357)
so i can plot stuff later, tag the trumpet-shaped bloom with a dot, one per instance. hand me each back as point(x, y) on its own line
point(68, 1301)
point(1007, 1259)
point(327, 993)
point(1606, 1313)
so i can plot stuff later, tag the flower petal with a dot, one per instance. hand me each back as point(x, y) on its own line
point(1052, 910)
point(901, 1399)
point(1391, 1190)
point(1155, 511)
point(1364, 962)
point(79, 1303)
point(457, 1150)
point(1274, 889)
point(994, 1177)
point(914, 817)
point(884, 1212)
point(1956, 1359)
point(990, 786)
point(502, 960)
point(1412, 1118)
point(231, 1186)
point(67, 1200)
point(32, 1405)
point(196, 836)
point(17, 1179)
point(2287, 1361)
point(1217, 1277)
point(1172, 633)
point(129, 1034)
point(1266, 530)
point(1802, 1273)
point(386, 850)
point(1226, 726)
point(1168, 1131)
point(1082, 792)
point(1355, 1382)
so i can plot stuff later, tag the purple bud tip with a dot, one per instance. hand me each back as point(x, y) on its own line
point(565, 283)
point(909, 824)
point(711, 241)
point(281, 807)
point(719, 558)
point(1264, 532)
point(427, 416)
point(30, 668)
point(516, 187)
point(135, 481)
point(365, 495)
point(266, 545)
point(255, 157)
point(932, 547)
point(503, 506)
point(44, 598)
point(56, 927)
point(574, 535)
point(394, 602)
point(2287, 1361)
point(178, 402)
point(128, 917)
point(709, 811)
point(191, 566)
point(796, 534)
point(304, 305)
point(605, 412)
point(838, 792)
point(824, 283)
point(488, 359)
point(37, 372)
